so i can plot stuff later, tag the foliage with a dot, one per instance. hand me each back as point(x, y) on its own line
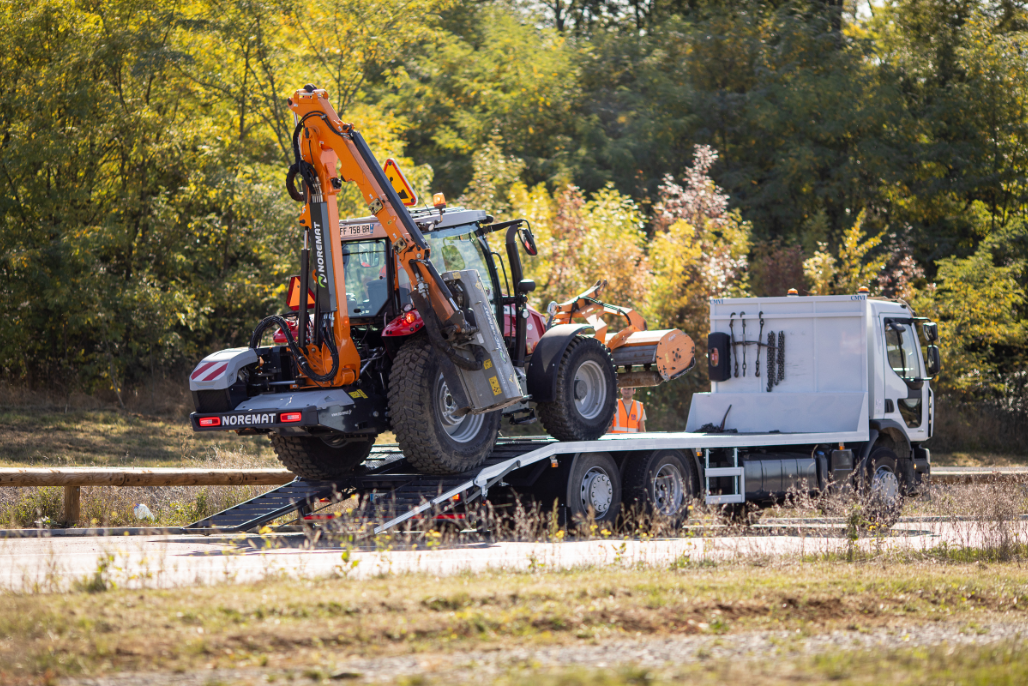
point(142, 149)
point(854, 267)
point(979, 301)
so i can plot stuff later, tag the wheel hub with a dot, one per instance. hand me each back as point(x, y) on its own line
point(668, 490)
point(462, 428)
point(597, 491)
point(590, 390)
point(885, 488)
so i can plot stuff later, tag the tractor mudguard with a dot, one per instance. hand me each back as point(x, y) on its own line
point(542, 370)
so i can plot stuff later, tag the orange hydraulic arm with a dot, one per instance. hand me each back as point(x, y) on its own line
point(588, 307)
point(329, 153)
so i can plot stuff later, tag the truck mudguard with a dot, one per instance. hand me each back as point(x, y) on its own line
point(542, 370)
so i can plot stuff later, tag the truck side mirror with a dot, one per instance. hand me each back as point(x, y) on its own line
point(931, 331)
point(526, 286)
point(934, 362)
point(528, 240)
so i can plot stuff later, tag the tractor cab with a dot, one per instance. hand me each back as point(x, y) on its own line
point(458, 241)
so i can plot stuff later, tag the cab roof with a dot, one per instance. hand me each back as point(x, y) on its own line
point(427, 219)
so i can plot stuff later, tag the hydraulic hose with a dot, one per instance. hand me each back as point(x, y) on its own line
point(301, 360)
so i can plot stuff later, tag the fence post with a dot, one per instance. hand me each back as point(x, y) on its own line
point(71, 505)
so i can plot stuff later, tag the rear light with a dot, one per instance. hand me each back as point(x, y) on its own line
point(410, 317)
point(209, 421)
point(290, 417)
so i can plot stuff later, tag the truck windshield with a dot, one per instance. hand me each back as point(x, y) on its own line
point(454, 249)
point(901, 346)
point(367, 288)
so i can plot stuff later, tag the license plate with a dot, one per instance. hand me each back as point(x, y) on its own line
point(356, 230)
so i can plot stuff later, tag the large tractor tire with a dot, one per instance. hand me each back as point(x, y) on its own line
point(321, 459)
point(433, 438)
point(584, 404)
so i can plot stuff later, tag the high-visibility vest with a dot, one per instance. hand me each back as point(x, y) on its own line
point(627, 419)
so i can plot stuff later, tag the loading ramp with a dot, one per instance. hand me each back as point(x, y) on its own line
point(393, 491)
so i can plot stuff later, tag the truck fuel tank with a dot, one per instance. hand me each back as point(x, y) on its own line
point(770, 476)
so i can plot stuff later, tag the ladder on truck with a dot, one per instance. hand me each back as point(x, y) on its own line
point(389, 480)
point(737, 473)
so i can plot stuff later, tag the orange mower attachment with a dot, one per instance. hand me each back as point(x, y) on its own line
point(644, 358)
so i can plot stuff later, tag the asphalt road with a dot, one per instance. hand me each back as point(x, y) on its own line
point(44, 564)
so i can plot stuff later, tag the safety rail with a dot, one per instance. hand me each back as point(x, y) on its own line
point(73, 478)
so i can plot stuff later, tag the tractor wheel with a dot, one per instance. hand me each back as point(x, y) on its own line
point(321, 459)
point(584, 404)
point(432, 436)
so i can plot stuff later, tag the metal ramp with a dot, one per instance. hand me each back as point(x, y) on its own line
point(402, 493)
point(254, 513)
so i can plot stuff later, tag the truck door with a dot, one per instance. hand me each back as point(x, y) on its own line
point(906, 395)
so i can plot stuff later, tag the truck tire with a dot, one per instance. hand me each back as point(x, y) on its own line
point(593, 489)
point(317, 459)
point(882, 492)
point(661, 483)
point(583, 406)
point(433, 439)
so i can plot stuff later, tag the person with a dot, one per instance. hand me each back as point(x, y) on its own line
point(630, 417)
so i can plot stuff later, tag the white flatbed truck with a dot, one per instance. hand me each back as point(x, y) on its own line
point(806, 393)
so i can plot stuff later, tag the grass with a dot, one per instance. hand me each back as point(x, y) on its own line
point(1002, 664)
point(294, 625)
point(114, 439)
point(965, 459)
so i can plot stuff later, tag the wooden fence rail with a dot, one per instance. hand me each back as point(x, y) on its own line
point(73, 478)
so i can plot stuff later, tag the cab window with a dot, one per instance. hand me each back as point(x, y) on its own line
point(367, 286)
point(452, 250)
point(901, 347)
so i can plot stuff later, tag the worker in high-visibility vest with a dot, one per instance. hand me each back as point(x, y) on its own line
point(630, 417)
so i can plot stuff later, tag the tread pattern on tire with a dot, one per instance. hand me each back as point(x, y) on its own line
point(311, 458)
point(410, 413)
point(557, 417)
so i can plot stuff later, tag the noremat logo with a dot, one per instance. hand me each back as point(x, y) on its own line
point(319, 254)
point(248, 419)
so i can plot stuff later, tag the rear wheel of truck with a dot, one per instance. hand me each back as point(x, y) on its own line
point(882, 496)
point(593, 490)
point(660, 484)
point(434, 438)
point(584, 403)
point(321, 459)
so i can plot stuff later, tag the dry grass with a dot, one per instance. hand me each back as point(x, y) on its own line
point(289, 624)
point(112, 506)
point(978, 430)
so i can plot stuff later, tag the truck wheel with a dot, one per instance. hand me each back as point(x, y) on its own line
point(433, 438)
point(661, 483)
point(318, 459)
point(584, 404)
point(883, 489)
point(594, 488)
